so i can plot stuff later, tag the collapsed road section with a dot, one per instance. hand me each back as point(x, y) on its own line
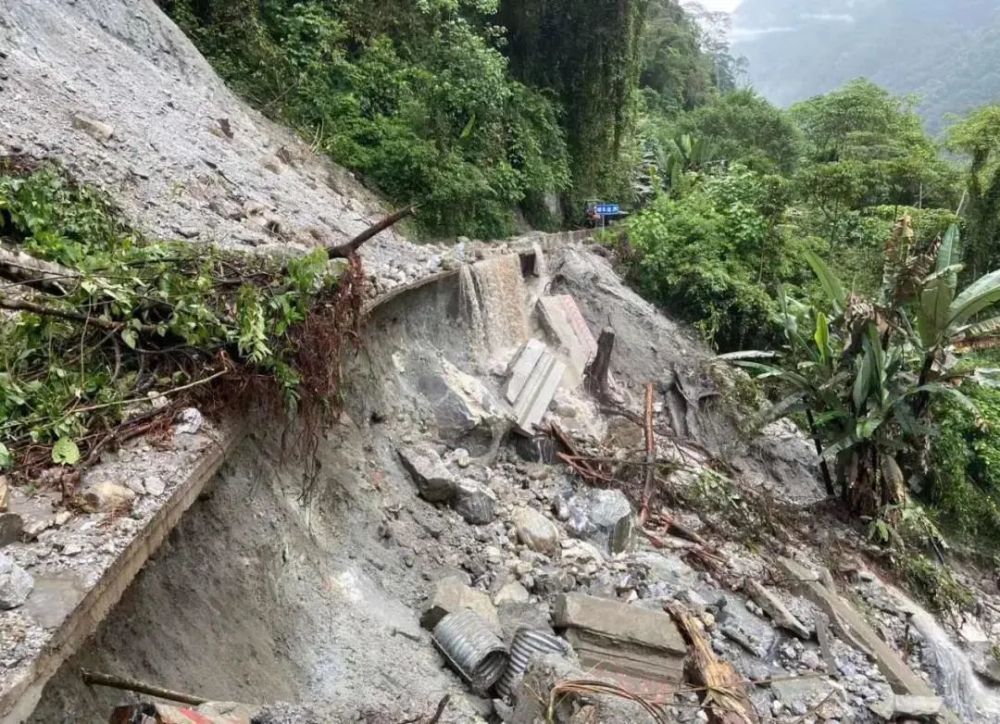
point(445, 555)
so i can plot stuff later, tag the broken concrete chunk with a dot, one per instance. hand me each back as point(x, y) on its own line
point(451, 595)
point(106, 497)
point(532, 389)
point(94, 128)
point(636, 646)
point(908, 707)
point(433, 480)
point(801, 694)
point(11, 527)
point(562, 318)
point(511, 592)
point(475, 502)
point(15, 583)
point(603, 517)
point(773, 607)
point(536, 531)
point(619, 621)
point(853, 628)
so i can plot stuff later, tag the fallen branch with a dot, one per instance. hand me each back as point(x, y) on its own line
point(25, 270)
point(647, 490)
point(725, 699)
point(40, 309)
point(346, 250)
point(679, 529)
point(93, 678)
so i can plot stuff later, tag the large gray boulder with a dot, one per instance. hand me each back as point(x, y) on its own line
point(433, 480)
point(603, 517)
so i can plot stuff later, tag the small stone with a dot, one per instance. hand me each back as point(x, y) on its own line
point(811, 660)
point(461, 457)
point(11, 527)
point(450, 595)
point(62, 518)
point(511, 592)
point(536, 531)
point(475, 503)
point(98, 130)
point(34, 527)
point(107, 497)
point(189, 421)
point(72, 549)
point(188, 232)
point(15, 584)
point(708, 619)
point(154, 485)
point(777, 707)
point(4, 494)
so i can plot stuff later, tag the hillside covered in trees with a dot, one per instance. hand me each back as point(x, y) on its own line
point(944, 52)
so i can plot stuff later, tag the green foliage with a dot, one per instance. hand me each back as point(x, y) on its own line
point(676, 75)
point(978, 137)
point(711, 255)
point(964, 478)
point(935, 584)
point(742, 127)
point(587, 53)
point(863, 375)
point(133, 319)
point(865, 147)
point(415, 97)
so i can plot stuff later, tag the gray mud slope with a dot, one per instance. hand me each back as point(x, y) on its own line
point(169, 161)
point(651, 347)
point(264, 594)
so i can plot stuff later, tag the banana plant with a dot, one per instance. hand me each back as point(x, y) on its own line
point(948, 318)
point(851, 364)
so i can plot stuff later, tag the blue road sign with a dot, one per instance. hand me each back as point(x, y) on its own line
point(608, 209)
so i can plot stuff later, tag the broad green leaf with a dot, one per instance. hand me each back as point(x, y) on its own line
point(130, 338)
point(935, 301)
point(980, 329)
point(822, 336)
point(863, 380)
point(976, 297)
point(950, 252)
point(6, 459)
point(65, 452)
point(832, 286)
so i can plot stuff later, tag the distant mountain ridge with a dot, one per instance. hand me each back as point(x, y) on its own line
point(947, 53)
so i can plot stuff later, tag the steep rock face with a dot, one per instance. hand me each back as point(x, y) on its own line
point(945, 53)
point(114, 91)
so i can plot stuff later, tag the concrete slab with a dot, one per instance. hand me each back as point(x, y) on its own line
point(853, 627)
point(635, 647)
point(562, 318)
point(533, 389)
point(520, 371)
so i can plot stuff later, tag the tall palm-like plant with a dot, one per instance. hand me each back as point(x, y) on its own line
point(862, 370)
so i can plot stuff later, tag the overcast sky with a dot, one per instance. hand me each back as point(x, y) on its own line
point(716, 5)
